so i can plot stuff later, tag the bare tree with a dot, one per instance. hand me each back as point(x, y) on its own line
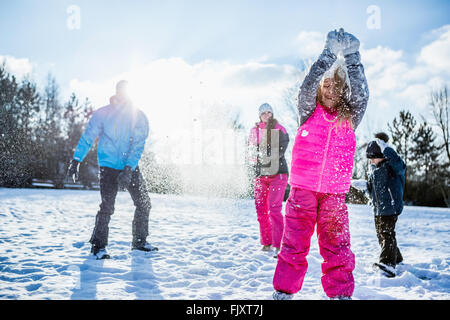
point(440, 109)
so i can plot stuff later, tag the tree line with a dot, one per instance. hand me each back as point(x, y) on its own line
point(38, 135)
point(36, 131)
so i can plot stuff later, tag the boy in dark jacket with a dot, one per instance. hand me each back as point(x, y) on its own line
point(385, 189)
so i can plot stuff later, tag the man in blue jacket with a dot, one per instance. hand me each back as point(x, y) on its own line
point(385, 189)
point(121, 130)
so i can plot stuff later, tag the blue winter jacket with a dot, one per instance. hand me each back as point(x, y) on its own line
point(386, 184)
point(121, 130)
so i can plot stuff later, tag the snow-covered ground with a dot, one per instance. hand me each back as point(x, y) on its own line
point(209, 249)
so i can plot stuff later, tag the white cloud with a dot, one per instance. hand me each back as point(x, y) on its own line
point(397, 84)
point(380, 57)
point(17, 66)
point(436, 54)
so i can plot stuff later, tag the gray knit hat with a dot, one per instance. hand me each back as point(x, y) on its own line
point(121, 85)
point(264, 108)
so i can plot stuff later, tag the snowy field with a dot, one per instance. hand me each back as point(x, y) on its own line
point(209, 249)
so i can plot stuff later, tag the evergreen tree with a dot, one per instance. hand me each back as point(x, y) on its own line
point(73, 124)
point(28, 103)
point(75, 118)
point(424, 151)
point(8, 125)
point(49, 136)
point(402, 130)
point(19, 104)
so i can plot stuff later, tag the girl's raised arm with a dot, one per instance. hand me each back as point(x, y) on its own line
point(359, 88)
point(308, 90)
point(358, 82)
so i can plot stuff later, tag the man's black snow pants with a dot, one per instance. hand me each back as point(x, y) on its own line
point(108, 190)
point(385, 226)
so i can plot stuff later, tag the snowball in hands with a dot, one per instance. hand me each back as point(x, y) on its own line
point(360, 185)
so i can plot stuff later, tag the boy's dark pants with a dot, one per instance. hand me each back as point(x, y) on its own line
point(385, 226)
point(108, 190)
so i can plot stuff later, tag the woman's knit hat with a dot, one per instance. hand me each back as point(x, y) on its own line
point(264, 108)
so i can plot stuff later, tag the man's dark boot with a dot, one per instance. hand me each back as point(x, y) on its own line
point(147, 247)
point(99, 253)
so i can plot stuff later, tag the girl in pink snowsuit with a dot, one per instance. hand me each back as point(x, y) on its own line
point(269, 139)
point(322, 162)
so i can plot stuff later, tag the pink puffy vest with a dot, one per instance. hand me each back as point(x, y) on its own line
point(322, 156)
point(254, 135)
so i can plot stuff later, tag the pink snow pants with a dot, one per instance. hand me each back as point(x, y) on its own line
point(269, 194)
point(305, 209)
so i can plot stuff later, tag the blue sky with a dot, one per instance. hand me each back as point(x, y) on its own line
point(113, 32)
point(242, 52)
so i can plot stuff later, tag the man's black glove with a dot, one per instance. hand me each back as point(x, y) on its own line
point(73, 170)
point(124, 178)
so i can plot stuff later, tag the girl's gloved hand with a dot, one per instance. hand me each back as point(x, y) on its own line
point(349, 43)
point(333, 42)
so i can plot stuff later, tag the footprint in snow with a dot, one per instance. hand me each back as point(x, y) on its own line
point(33, 287)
